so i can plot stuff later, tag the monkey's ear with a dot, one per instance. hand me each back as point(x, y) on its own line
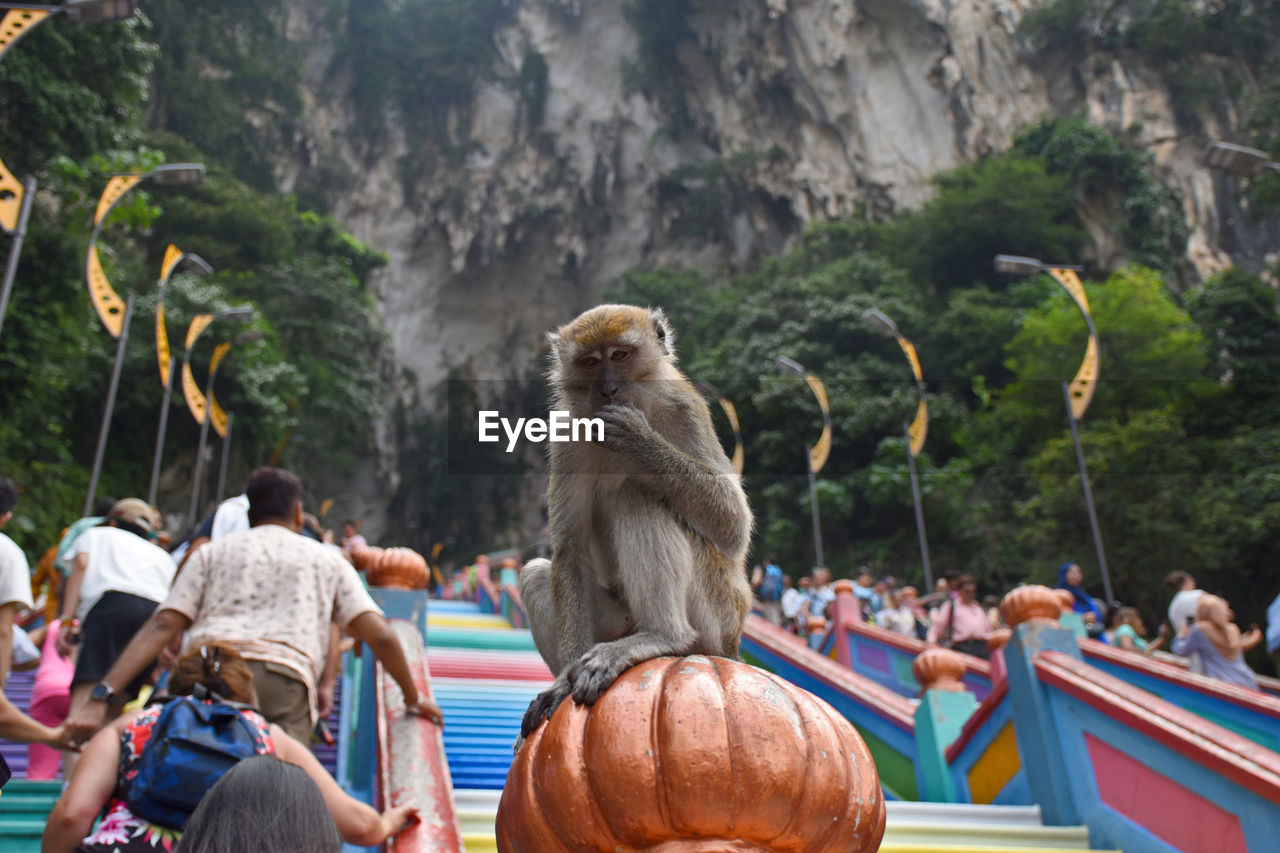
point(661, 328)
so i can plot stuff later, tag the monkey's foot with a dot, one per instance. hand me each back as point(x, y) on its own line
point(542, 707)
point(592, 673)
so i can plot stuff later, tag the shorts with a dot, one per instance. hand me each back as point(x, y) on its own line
point(282, 698)
point(106, 630)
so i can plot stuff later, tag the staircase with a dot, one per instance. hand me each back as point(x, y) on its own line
point(484, 690)
point(484, 674)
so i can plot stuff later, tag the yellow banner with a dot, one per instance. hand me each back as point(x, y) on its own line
point(10, 198)
point(1086, 378)
point(116, 187)
point(17, 23)
point(106, 301)
point(731, 412)
point(216, 415)
point(162, 346)
point(918, 429)
point(192, 394)
point(172, 254)
point(198, 324)
point(820, 451)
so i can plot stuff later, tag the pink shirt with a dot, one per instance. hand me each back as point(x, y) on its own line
point(970, 622)
point(53, 678)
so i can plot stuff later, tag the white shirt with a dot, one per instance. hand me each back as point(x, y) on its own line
point(120, 561)
point(15, 574)
point(1183, 605)
point(232, 517)
point(792, 599)
point(899, 620)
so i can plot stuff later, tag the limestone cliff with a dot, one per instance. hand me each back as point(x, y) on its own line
point(797, 110)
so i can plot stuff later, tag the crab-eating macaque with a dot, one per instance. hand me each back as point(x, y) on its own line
point(649, 528)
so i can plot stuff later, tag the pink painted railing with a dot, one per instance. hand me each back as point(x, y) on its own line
point(411, 759)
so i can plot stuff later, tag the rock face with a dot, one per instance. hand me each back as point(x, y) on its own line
point(797, 110)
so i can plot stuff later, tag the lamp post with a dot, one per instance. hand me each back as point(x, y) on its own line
point(111, 310)
point(816, 456)
point(173, 256)
point(204, 408)
point(731, 412)
point(16, 198)
point(1079, 392)
point(1238, 159)
point(915, 431)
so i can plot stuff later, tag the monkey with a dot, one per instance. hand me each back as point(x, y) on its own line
point(649, 528)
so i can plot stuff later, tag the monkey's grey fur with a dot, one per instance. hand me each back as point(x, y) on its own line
point(649, 530)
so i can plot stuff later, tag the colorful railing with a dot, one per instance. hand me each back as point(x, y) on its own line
point(884, 656)
point(1249, 713)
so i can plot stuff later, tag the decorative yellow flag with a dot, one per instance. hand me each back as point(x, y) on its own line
point(1082, 386)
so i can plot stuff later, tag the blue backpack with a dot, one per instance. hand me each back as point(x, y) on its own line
point(772, 586)
point(192, 745)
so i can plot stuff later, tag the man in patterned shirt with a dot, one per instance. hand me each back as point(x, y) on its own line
point(272, 595)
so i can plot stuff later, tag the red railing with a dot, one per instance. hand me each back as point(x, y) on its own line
point(1224, 752)
point(883, 701)
point(411, 761)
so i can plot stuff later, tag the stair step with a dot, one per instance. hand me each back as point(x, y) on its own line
point(996, 836)
point(949, 814)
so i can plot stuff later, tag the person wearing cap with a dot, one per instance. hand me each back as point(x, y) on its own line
point(118, 577)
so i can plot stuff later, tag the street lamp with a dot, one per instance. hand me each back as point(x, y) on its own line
point(731, 412)
point(914, 431)
point(114, 313)
point(816, 456)
point(1079, 392)
point(204, 408)
point(16, 198)
point(173, 256)
point(1238, 159)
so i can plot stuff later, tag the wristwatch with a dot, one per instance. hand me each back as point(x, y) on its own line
point(103, 692)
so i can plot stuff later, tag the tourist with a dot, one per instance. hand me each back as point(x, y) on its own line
point(795, 604)
point(961, 623)
point(1219, 643)
point(118, 576)
point(1186, 598)
point(896, 616)
point(1071, 578)
point(110, 761)
point(272, 595)
point(1130, 632)
point(351, 538)
point(50, 701)
point(15, 578)
point(820, 593)
point(767, 581)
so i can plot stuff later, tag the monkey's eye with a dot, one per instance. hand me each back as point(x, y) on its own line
point(589, 361)
point(620, 354)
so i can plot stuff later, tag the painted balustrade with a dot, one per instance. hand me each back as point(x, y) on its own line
point(884, 656)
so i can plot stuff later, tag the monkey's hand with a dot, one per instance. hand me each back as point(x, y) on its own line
point(625, 428)
point(543, 706)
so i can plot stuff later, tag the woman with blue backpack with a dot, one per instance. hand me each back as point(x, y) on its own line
point(146, 772)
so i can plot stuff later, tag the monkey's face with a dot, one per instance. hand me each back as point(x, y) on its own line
point(616, 354)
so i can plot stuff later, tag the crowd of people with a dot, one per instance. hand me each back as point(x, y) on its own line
point(245, 617)
point(1200, 626)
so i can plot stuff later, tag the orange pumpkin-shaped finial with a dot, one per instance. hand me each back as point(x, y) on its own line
point(693, 754)
point(399, 568)
point(939, 669)
point(1031, 602)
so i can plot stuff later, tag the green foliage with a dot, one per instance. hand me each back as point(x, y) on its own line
point(532, 85)
point(1009, 204)
point(227, 79)
point(420, 57)
point(1101, 167)
point(82, 96)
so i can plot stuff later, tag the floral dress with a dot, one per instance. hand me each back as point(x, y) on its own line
point(119, 831)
